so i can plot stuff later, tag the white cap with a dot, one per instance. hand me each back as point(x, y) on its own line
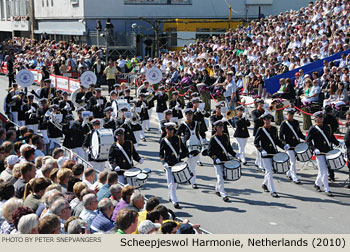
point(12, 159)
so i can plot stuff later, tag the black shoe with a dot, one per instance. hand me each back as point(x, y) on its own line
point(331, 179)
point(200, 163)
point(318, 189)
point(265, 188)
point(297, 182)
point(144, 139)
point(347, 186)
point(194, 186)
point(218, 194)
point(329, 194)
point(225, 199)
point(245, 163)
point(275, 195)
point(148, 130)
point(289, 177)
point(176, 205)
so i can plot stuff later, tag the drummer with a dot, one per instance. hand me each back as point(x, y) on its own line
point(172, 150)
point(319, 139)
point(190, 132)
point(258, 122)
point(88, 145)
point(108, 120)
point(218, 116)
point(124, 123)
point(176, 105)
point(218, 150)
point(167, 118)
point(291, 134)
point(265, 141)
point(121, 155)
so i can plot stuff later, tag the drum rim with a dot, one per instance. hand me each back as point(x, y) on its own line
point(125, 173)
point(301, 144)
point(230, 162)
point(280, 154)
point(141, 174)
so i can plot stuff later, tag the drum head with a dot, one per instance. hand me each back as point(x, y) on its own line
point(146, 171)
point(232, 164)
point(95, 145)
point(302, 147)
point(333, 154)
point(179, 166)
point(132, 172)
point(280, 157)
point(141, 176)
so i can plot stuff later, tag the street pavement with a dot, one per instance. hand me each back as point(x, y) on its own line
point(300, 209)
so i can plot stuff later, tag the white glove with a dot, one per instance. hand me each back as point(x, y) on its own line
point(217, 161)
point(166, 166)
point(141, 161)
point(51, 95)
point(177, 107)
point(205, 140)
point(83, 98)
point(286, 147)
point(264, 153)
point(143, 106)
point(341, 144)
point(317, 152)
point(98, 105)
point(83, 124)
point(237, 155)
point(117, 168)
point(190, 156)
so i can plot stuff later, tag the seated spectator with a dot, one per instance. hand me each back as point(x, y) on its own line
point(169, 227)
point(104, 192)
point(103, 222)
point(2, 158)
point(125, 201)
point(77, 188)
point(62, 209)
point(38, 188)
point(89, 212)
point(8, 148)
point(49, 224)
point(78, 227)
point(28, 154)
point(89, 175)
point(155, 216)
point(49, 198)
point(57, 153)
point(63, 176)
point(116, 193)
point(7, 174)
point(39, 143)
point(44, 199)
point(78, 171)
point(53, 175)
point(314, 93)
point(101, 180)
point(137, 202)
point(188, 229)
point(28, 224)
point(148, 227)
point(27, 173)
point(151, 204)
point(8, 209)
point(17, 215)
point(126, 221)
point(7, 191)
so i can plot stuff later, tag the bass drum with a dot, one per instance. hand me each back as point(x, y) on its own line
point(101, 142)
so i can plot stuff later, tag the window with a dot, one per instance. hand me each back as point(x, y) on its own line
point(2, 10)
point(74, 1)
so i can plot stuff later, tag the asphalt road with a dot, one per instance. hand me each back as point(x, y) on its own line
point(300, 209)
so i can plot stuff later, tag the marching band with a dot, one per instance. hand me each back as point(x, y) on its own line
point(107, 134)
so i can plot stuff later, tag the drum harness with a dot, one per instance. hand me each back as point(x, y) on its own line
point(123, 151)
point(222, 147)
point(269, 137)
point(172, 148)
point(193, 135)
point(321, 131)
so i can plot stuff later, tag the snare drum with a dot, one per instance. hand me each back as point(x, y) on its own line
point(303, 152)
point(131, 176)
point(147, 171)
point(141, 179)
point(335, 159)
point(181, 172)
point(280, 162)
point(101, 142)
point(232, 170)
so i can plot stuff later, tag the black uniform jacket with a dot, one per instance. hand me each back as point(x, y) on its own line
point(167, 155)
point(262, 141)
point(287, 136)
point(316, 140)
point(215, 151)
point(242, 125)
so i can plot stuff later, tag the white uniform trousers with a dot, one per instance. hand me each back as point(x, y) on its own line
point(33, 127)
point(241, 147)
point(147, 121)
point(258, 160)
point(292, 172)
point(219, 187)
point(80, 152)
point(144, 126)
point(22, 123)
point(172, 186)
point(268, 179)
point(137, 135)
point(322, 176)
point(160, 118)
point(99, 166)
point(192, 162)
point(15, 117)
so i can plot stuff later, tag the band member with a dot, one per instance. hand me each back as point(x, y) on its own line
point(108, 120)
point(265, 141)
point(258, 122)
point(190, 133)
point(127, 95)
point(198, 116)
point(218, 150)
point(79, 98)
point(21, 115)
point(96, 104)
point(66, 106)
point(121, 155)
point(142, 105)
point(241, 133)
point(10, 103)
point(147, 90)
point(347, 142)
point(218, 116)
point(58, 97)
point(190, 103)
point(68, 132)
point(291, 134)
point(330, 119)
point(30, 110)
point(87, 145)
point(172, 150)
point(90, 93)
point(319, 139)
point(80, 129)
point(47, 91)
point(167, 118)
point(127, 125)
point(53, 132)
point(41, 113)
point(176, 105)
point(113, 100)
point(161, 99)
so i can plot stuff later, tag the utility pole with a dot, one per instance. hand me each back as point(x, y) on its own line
point(229, 16)
point(156, 27)
point(31, 3)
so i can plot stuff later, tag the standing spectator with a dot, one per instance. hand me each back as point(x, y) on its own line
point(98, 68)
point(10, 70)
point(111, 75)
